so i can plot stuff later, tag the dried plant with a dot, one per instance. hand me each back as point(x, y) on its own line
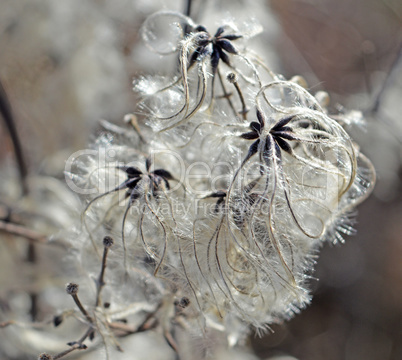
point(216, 214)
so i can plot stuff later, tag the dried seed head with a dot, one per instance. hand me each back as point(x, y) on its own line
point(107, 242)
point(72, 289)
point(45, 356)
point(232, 78)
point(183, 302)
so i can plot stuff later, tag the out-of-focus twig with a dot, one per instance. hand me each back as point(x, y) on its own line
point(187, 10)
point(22, 231)
point(5, 110)
point(385, 84)
point(107, 244)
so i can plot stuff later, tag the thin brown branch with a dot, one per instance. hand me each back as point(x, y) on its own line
point(125, 328)
point(5, 110)
point(65, 352)
point(233, 79)
point(72, 289)
point(82, 309)
point(6, 323)
point(22, 231)
point(75, 345)
point(187, 10)
point(172, 342)
point(226, 94)
point(390, 77)
point(107, 243)
point(133, 121)
point(150, 322)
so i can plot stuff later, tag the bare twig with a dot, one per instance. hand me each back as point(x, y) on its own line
point(66, 352)
point(226, 94)
point(6, 323)
point(133, 121)
point(75, 345)
point(233, 79)
point(171, 342)
point(187, 11)
point(72, 289)
point(5, 110)
point(22, 231)
point(107, 243)
point(119, 329)
point(385, 84)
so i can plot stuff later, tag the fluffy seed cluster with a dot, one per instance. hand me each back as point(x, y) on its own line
point(232, 185)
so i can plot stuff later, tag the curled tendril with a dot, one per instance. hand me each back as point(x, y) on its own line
point(295, 135)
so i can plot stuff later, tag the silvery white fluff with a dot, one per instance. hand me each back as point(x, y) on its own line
point(227, 195)
point(223, 199)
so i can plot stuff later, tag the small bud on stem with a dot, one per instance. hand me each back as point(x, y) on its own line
point(107, 243)
point(233, 79)
point(72, 289)
point(45, 356)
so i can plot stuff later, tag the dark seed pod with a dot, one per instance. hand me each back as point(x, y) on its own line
point(72, 288)
point(57, 320)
